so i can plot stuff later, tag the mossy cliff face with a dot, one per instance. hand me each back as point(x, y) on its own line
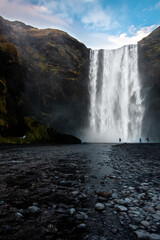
point(11, 88)
point(149, 68)
point(37, 132)
point(50, 70)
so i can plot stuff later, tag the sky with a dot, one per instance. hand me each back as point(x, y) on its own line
point(99, 24)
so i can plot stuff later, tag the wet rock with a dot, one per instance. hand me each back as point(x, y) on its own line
point(34, 209)
point(127, 200)
point(81, 216)
point(74, 193)
point(157, 207)
point(141, 234)
point(99, 206)
point(72, 211)
point(114, 195)
point(114, 230)
point(120, 208)
point(18, 214)
point(145, 223)
point(104, 194)
point(81, 226)
point(133, 227)
point(120, 201)
point(149, 209)
point(101, 199)
point(154, 236)
point(2, 203)
point(82, 196)
point(35, 204)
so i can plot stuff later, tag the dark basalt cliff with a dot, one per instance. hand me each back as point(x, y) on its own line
point(149, 68)
point(43, 74)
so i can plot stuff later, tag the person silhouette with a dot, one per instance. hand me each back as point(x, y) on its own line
point(119, 139)
point(147, 139)
point(140, 140)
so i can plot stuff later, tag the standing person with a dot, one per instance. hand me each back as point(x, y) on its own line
point(119, 139)
point(140, 140)
point(147, 139)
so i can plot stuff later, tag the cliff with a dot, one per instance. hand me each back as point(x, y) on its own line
point(149, 68)
point(43, 74)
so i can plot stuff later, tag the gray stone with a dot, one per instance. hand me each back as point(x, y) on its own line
point(2, 203)
point(34, 209)
point(18, 214)
point(74, 193)
point(81, 226)
point(142, 234)
point(99, 206)
point(149, 209)
point(145, 223)
point(154, 236)
point(114, 230)
point(81, 216)
point(127, 200)
point(120, 201)
point(35, 204)
point(72, 211)
point(157, 207)
point(120, 208)
point(133, 227)
point(114, 195)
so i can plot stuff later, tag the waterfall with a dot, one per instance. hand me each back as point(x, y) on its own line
point(115, 101)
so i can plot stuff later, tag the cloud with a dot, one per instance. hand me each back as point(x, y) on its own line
point(34, 15)
point(97, 19)
point(132, 29)
point(106, 41)
point(89, 13)
point(124, 39)
point(60, 14)
point(152, 8)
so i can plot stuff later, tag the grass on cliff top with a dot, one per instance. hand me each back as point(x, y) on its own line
point(36, 133)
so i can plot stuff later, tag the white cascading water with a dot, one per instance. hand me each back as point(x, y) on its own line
point(115, 101)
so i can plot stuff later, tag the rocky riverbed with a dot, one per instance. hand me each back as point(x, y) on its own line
point(82, 192)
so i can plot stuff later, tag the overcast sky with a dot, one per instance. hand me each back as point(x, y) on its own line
point(97, 23)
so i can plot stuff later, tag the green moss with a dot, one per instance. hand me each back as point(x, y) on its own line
point(2, 122)
point(3, 109)
point(9, 48)
point(38, 132)
point(3, 88)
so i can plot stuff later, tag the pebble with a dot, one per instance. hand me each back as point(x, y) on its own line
point(142, 234)
point(133, 227)
point(99, 206)
point(104, 194)
point(34, 209)
point(81, 216)
point(150, 210)
point(72, 211)
point(2, 203)
point(127, 200)
point(157, 207)
point(154, 236)
point(114, 230)
point(145, 223)
point(120, 208)
point(81, 226)
point(18, 214)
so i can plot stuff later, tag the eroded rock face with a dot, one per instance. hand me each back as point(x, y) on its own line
point(149, 62)
point(54, 72)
